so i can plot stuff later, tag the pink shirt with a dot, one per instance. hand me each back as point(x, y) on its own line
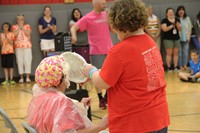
point(98, 32)
point(22, 40)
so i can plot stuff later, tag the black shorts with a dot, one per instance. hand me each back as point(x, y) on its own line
point(7, 60)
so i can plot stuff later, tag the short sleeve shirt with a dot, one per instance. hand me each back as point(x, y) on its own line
point(82, 38)
point(49, 34)
point(7, 48)
point(22, 40)
point(195, 67)
point(169, 35)
point(137, 98)
point(98, 30)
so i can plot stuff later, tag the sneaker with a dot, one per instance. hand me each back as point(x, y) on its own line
point(198, 80)
point(102, 104)
point(6, 82)
point(12, 82)
point(192, 79)
point(21, 81)
point(169, 70)
point(176, 69)
point(28, 80)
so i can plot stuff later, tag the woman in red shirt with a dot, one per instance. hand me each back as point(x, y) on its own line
point(133, 74)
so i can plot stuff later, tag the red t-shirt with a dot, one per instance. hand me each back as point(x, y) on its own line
point(137, 98)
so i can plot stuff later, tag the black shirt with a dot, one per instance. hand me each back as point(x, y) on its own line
point(169, 35)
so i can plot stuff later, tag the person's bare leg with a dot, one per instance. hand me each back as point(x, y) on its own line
point(12, 82)
point(169, 57)
point(6, 77)
point(11, 73)
point(183, 76)
point(6, 73)
point(44, 53)
point(175, 57)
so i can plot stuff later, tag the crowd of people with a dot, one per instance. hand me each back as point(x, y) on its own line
point(136, 98)
point(15, 40)
point(176, 31)
point(133, 98)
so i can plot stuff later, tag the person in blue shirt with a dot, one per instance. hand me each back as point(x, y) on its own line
point(194, 75)
point(47, 27)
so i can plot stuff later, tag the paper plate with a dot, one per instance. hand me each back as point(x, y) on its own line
point(76, 63)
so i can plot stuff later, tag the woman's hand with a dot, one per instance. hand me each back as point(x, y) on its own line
point(86, 101)
point(73, 39)
point(49, 26)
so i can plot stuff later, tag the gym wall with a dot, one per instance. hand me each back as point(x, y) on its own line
point(33, 11)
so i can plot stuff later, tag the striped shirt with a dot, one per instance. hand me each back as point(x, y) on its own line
point(153, 26)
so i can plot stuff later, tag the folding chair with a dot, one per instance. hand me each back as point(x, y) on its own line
point(28, 128)
point(7, 121)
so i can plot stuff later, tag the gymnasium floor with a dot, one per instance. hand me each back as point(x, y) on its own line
point(183, 99)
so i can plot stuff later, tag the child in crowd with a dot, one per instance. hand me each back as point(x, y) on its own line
point(194, 75)
point(7, 52)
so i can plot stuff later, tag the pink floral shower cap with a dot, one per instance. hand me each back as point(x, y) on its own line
point(49, 72)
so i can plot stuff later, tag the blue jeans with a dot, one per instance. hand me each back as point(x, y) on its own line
point(164, 130)
point(183, 53)
point(196, 43)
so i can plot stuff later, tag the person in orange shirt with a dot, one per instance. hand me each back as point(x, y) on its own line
point(23, 49)
point(7, 52)
point(133, 74)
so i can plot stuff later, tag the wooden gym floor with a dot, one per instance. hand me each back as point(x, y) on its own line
point(183, 99)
